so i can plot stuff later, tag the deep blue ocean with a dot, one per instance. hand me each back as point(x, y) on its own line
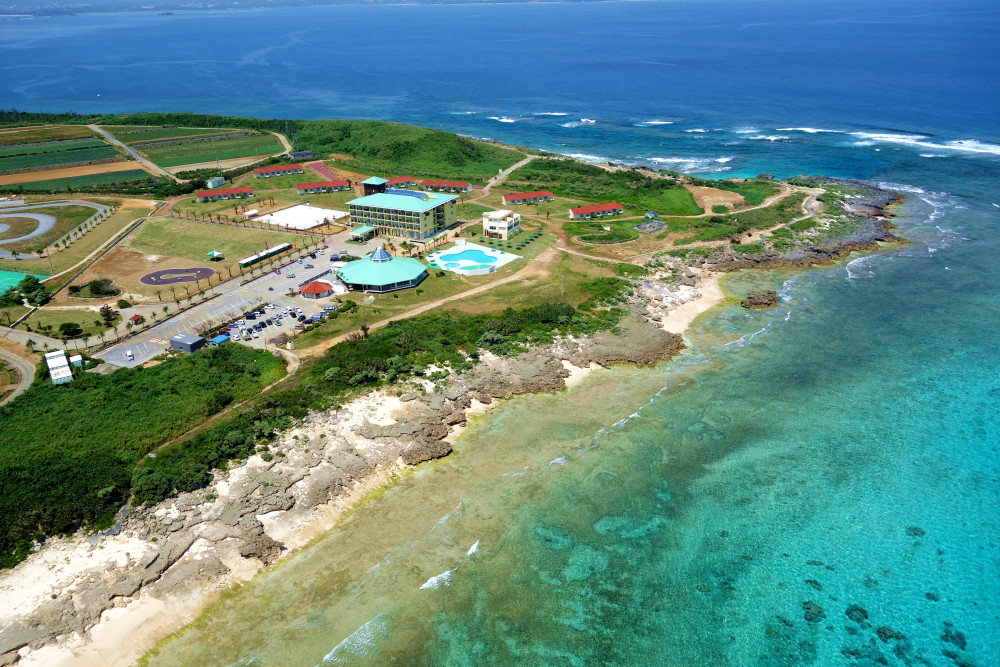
point(814, 485)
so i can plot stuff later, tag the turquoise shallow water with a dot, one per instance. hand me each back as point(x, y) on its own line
point(838, 451)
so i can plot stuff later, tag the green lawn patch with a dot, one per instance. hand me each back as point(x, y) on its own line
point(67, 451)
point(173, 237)
point(50, 147)
point(471, 211)
point(67, 217)
point(803, 225)
point(629, 187)
point(753, 192)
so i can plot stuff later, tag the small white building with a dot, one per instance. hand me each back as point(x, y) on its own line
point(502, 224)
point(214, 182)
point(59, 370)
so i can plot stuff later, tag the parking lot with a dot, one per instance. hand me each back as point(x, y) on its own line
point(272, 288)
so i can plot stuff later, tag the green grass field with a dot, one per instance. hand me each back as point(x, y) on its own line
point(471, 211)
point(16, 227)
point(67, 217)
point(74, 156)
point(281, 182)
point(81, 181)
point(79, 249)
point(206, 151)
point(587, 182)
point(50, 147)
point(43, 133)
point(190, 240)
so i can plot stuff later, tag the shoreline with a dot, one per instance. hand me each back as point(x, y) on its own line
point(372, 429)
point(80, 608)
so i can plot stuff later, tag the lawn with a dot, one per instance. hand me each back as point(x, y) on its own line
point(67, 217)
point(82, 181)
point(289, 182)
point(185, 239)
point(392, 148)
point(83, 246)
point(43, 133)
point(89, 321)
point(206, 151)
point(16, 227)
point(587, 182)
point(471, 211)
point(69, 156)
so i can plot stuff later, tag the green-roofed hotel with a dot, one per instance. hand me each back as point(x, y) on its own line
point(403, 213)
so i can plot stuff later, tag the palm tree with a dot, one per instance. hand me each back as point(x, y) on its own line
point(158, 295)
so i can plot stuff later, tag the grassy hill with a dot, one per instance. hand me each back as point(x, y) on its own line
point(628, 187)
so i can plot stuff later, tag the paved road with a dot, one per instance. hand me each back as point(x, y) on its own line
point(45, 222)
point(135, 154)
point(232, 303)
point(502, 176)
point(26, 369)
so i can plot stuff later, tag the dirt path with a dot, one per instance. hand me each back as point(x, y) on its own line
point(149, 166)
point(531, 270)
point(292, 364)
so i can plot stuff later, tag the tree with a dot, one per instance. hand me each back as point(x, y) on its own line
point(70, 329)
point(107, 313)
point(158, 298)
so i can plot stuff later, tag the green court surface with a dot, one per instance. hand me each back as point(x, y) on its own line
point(10, 278)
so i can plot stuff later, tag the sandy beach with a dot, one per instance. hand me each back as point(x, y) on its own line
point(208, 566)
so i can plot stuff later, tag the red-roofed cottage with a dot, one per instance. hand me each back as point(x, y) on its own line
point(595, 211)
point(224, 193)
point(445, 186)
point(528, 197)
point(277, 170)
point(323, 186)
point(401, 182)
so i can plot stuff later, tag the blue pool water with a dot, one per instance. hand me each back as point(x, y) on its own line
point(472, 254)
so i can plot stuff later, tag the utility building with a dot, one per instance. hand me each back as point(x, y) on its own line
point(59, 370)
point(186, 342)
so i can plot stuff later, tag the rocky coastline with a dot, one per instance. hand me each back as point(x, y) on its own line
point(202, 542)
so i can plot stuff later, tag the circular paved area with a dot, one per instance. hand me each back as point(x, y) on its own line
point(173, 276)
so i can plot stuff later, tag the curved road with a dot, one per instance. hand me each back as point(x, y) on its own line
point(45, 221)
point(26, 369)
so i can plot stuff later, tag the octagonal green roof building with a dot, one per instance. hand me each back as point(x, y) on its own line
point(381, 272)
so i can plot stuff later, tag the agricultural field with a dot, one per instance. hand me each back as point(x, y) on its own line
point(68, 155)
point(48, 147)
point(194, 152)
point(133, 134)
point(44, 133)
point(82, 180)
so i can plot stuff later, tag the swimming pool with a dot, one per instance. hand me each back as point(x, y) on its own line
point(470, 259)
point(472, 254)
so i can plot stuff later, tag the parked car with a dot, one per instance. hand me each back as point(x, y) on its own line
point(328, 308)
point(129, 355)
point(278, 271)
point(251, 316)
point(301, 318)
point(269, 306)
point(300, 260)
point(310, 266)
point(241, 322)
point(256, 335)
